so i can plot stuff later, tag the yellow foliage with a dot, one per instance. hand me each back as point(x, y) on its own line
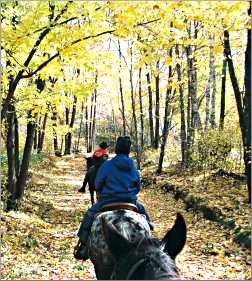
point(218, 49)
point(168, 61)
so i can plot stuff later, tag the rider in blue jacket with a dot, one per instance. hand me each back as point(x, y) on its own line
point(116, 180)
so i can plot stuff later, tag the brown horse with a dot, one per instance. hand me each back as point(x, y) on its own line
point(93, 166)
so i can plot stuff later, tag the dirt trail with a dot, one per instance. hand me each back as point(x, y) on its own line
point(53, 209)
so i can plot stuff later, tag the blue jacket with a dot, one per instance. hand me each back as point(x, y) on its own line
point(118, 180)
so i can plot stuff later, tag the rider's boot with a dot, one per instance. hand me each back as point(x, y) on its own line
point(82, 189)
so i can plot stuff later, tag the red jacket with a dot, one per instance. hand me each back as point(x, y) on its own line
point(100, 152)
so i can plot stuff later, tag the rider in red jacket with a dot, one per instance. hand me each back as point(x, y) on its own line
point(101, 151)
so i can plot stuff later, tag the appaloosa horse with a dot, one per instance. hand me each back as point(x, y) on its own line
point(121, 247)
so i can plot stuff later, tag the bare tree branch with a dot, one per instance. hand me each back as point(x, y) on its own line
point(147, 22)
point(43, 34)
point(11, 55)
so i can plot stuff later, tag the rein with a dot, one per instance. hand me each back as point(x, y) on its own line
point(134, 267)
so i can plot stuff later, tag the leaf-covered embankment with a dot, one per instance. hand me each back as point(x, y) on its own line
point(212, 244)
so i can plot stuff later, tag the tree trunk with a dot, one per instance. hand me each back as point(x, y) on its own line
point(61, 145)
point(55, 139)
point(195, 108)
point(213, 81)
point(67, 111)
point(207, 109)
point(156, 143)
point(115, 131)
point(90, 144)
point(35, 141)
point(247, 110)
point(31, 126)
point(68, 137)
point(167, 120)
point(123, 107)
point(39, 131)
point(133, 104)
point(150, 109)
point(243, 111)
point(196, 123)
point(94, 113)
point(121, 90)
point(86, 127)
point(233, 78)
point(81, 124)
point(11, 154)
point(11, 90)
point(223, 91)
point(141, 107)
point(189, 109)
point(211, 87)
point(193, 121)
point(16, 144)
point(182, 114)
point(166, 128)
point(42, 134)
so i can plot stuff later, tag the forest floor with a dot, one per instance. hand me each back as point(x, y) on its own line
point(37, 242)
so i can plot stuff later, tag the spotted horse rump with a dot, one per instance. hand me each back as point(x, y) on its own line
point(121, 247)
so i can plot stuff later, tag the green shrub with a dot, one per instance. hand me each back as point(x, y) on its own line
point(36, 158)
point(212, 149)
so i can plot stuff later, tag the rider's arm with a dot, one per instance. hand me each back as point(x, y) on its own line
point(100, 179)
point(137, 183)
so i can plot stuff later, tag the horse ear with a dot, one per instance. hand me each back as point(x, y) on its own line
point(175, 238)
point(117, 243)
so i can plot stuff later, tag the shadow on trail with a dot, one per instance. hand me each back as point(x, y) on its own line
point(55, 215)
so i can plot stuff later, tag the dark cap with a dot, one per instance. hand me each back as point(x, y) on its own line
point(103, 145)
point(123, 145)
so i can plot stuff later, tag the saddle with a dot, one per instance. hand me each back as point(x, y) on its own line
point(119, 205)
